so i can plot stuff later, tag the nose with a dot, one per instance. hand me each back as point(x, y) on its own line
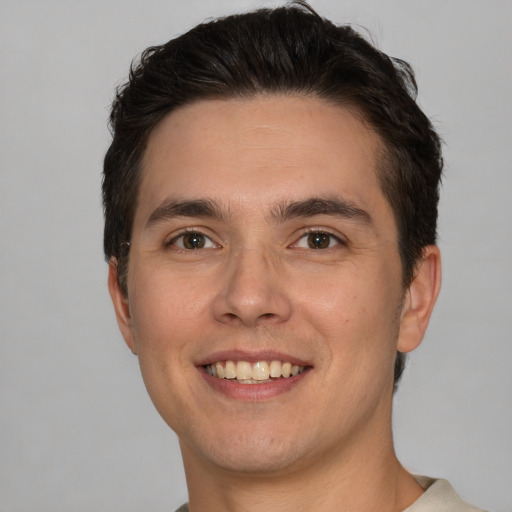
point(251, 293)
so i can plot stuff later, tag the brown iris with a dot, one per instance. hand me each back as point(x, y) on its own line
point(319, 240)
point(193, 241)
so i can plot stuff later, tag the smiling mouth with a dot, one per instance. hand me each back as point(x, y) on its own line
point(259, 372)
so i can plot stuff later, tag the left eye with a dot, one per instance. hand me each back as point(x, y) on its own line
point(317, 240)
point(193, 241)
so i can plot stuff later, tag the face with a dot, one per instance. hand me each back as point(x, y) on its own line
point(264, 284)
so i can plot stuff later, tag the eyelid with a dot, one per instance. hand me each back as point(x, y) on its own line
point(171, 239)
point(340, 239)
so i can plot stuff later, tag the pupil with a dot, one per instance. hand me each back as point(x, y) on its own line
point(318, 241)
point(193, 241)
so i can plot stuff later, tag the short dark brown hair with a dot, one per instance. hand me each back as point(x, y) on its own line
point(287, 50)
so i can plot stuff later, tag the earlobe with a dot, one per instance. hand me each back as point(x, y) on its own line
point(420, 299)
point(121, 305)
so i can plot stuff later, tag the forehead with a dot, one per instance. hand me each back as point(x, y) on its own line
point(261, 150)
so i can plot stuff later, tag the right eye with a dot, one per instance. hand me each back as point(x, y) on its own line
point(192, 240)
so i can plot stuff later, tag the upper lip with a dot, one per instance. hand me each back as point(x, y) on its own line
point(251, 357)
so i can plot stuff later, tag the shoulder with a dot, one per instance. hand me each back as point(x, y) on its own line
point(439, 496)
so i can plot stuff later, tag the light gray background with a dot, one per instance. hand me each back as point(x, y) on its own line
point(77, 431)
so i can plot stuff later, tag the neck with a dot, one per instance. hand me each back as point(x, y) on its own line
point(351, 479)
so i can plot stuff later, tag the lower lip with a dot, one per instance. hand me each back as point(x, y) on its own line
point(253, 392)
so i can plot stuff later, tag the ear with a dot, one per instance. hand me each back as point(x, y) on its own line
point(419, 299)
point(121, 305)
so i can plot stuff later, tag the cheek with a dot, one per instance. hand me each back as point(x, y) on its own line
point(355, 312)
point(346, 296)
point(165, 310)
point(165, 315)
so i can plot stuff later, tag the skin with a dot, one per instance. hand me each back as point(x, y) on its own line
point(256, 286)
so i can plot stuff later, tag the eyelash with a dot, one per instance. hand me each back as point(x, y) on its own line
point(197, 232)
point(320, 231)
point(211, 244)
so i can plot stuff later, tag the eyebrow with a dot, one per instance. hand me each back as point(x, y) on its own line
point(334, 206)
point(172, 208)
point(207, 208)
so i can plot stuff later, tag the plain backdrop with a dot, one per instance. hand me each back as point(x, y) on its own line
point(77, 431)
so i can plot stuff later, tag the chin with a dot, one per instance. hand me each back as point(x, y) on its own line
point(261, 457)
point(247, 452)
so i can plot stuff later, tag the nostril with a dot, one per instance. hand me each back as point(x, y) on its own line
point(257, 319)
point(232, 316)
point(246, 301)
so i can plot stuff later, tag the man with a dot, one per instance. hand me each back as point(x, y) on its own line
point(271, 203)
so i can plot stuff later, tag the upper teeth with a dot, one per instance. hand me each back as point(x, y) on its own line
point(248, 373)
